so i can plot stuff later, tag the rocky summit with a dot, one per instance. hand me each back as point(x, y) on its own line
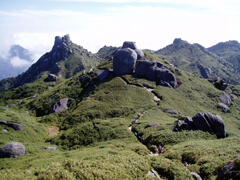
point(131, 115)
point(64, 60)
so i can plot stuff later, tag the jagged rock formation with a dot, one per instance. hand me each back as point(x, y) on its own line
point(203, 121)
point(12, 150)
point(197, 59)
point(64, 60)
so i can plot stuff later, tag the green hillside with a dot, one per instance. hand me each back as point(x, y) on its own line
point(93, 136)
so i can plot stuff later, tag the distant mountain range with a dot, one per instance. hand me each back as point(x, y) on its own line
point(17, 61)
point(222, 60)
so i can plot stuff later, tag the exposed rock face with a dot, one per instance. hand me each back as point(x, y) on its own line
point(203, 121)
point(156, 71)
point(124, 61)
point(60, 106)
point(12, 150)
point(52, 77)
point(224, 98)
point(15, 126)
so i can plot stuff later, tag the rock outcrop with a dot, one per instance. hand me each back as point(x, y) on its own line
point(60, 106)
point(203, 121)
point(15, 126)
point(52, 77)
point(156, 71)
point(12, 150)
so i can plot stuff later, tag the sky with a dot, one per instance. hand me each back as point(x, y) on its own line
point(152, 24)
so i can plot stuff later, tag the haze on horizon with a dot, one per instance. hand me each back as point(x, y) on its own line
point(153, 24)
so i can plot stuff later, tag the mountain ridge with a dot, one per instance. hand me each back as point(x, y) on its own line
point(197, 59)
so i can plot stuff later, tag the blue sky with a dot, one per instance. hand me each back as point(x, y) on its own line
point(152, 24)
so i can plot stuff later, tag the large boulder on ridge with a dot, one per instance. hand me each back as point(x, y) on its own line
point(60, 106)
point(124, 61)
point(12, 150)
point(205, 122)
point(156, 71)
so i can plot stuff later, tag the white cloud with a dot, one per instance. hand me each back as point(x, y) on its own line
point(17, 62)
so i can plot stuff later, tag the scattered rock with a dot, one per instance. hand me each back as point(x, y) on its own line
point(171, 111)
point(15, 126)
point(152, 125)
point(5, 130)
point(60, 106)
point(49, 101)
point(224, 98)
point(26, 112)
point(203, 121)
point(19, 103)
point(224, 107)
point(11, 105)
point(102, 74)
point(49, 148)
point(87, 98)
point(34, 96)
point(52, 77)
point(12, 150)
point(230, 170)
point(156, 99)
point(124, 61)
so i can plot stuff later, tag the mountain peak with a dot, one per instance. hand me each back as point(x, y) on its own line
point(179, 41)
point(61, 42)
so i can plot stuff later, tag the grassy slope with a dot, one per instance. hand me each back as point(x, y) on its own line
point(110, 150)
